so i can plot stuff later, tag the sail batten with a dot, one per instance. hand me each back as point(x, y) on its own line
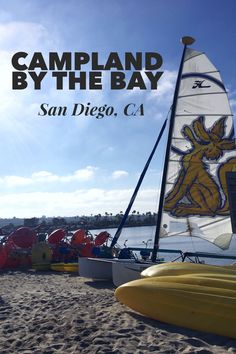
point(206, 77)
point(201, 94)
point(202, 152)
point(194, 56)
point(209, 114)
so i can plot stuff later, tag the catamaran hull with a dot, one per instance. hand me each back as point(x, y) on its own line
point(95, 268)
point(123, 272)
point(102, 269)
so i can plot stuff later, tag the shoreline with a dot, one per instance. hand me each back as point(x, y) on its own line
point(50, 312)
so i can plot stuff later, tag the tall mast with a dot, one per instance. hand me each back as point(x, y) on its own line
point(185, 41)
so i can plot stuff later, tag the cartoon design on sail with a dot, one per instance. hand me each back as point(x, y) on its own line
point(196, 191)
point(200, 152)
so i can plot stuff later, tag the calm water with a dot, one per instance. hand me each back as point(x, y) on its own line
point(137, 235)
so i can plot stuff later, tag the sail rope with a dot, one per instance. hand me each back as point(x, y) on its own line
point(121, 225)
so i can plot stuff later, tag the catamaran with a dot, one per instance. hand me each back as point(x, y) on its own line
point(200, 154)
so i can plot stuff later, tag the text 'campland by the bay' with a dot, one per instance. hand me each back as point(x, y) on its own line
point(84, 71)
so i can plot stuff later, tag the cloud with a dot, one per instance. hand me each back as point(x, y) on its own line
point(32, 36)
point(81, 175)
point(85, 174)
point(20, 36)
point(78, 202)
point(233, 105)
point(119, 174)
point(41, 174)
point(12, 181)
point(157, 101)
point(233, 102)
point(19, 108)
point(165, 88)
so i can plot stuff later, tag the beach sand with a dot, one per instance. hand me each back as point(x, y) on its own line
point(49, 312)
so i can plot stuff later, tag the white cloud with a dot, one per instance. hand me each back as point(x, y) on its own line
point(119, 174)
point(84, 174)
point(157, 101)
point(19, 36)
point(19, 108)
point(79, 202)
point(16, 35)
point(165, 88)
point(44, 177)
point(42, 174)
point(110, 149)
point(12, 181)
point(232, 102)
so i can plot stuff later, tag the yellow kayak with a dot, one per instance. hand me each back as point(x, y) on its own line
point(225, 282)
point(175, 268)
point(41, 266)
point(65, 267)
point(199, 307)
point(212, 275)
point(58, 267)
point(71, 267)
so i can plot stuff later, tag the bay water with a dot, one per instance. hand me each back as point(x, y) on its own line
point(144, 235)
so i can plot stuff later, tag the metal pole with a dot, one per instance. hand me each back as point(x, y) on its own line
point(185, 41)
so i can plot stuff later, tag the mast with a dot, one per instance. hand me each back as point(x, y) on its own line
point(185, 41)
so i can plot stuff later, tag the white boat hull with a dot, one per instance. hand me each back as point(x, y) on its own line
point(95, 268)
point(99, 268)
point(125, 271)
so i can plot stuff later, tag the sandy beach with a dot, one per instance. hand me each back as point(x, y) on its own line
point(49, 312)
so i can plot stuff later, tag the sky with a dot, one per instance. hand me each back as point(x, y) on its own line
point(68, 166)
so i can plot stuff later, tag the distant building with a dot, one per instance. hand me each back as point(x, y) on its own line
point(32, 222)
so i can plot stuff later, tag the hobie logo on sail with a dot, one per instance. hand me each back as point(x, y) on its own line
point(199, 84)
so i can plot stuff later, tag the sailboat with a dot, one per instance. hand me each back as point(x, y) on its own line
point(200, 153)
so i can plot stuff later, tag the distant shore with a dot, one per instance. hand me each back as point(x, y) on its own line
point(48, 225)
point(115, 226)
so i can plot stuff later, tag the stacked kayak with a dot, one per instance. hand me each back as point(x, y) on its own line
point(195, 296)
point(71, 267)
point(175, 268)
point(65, 267)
